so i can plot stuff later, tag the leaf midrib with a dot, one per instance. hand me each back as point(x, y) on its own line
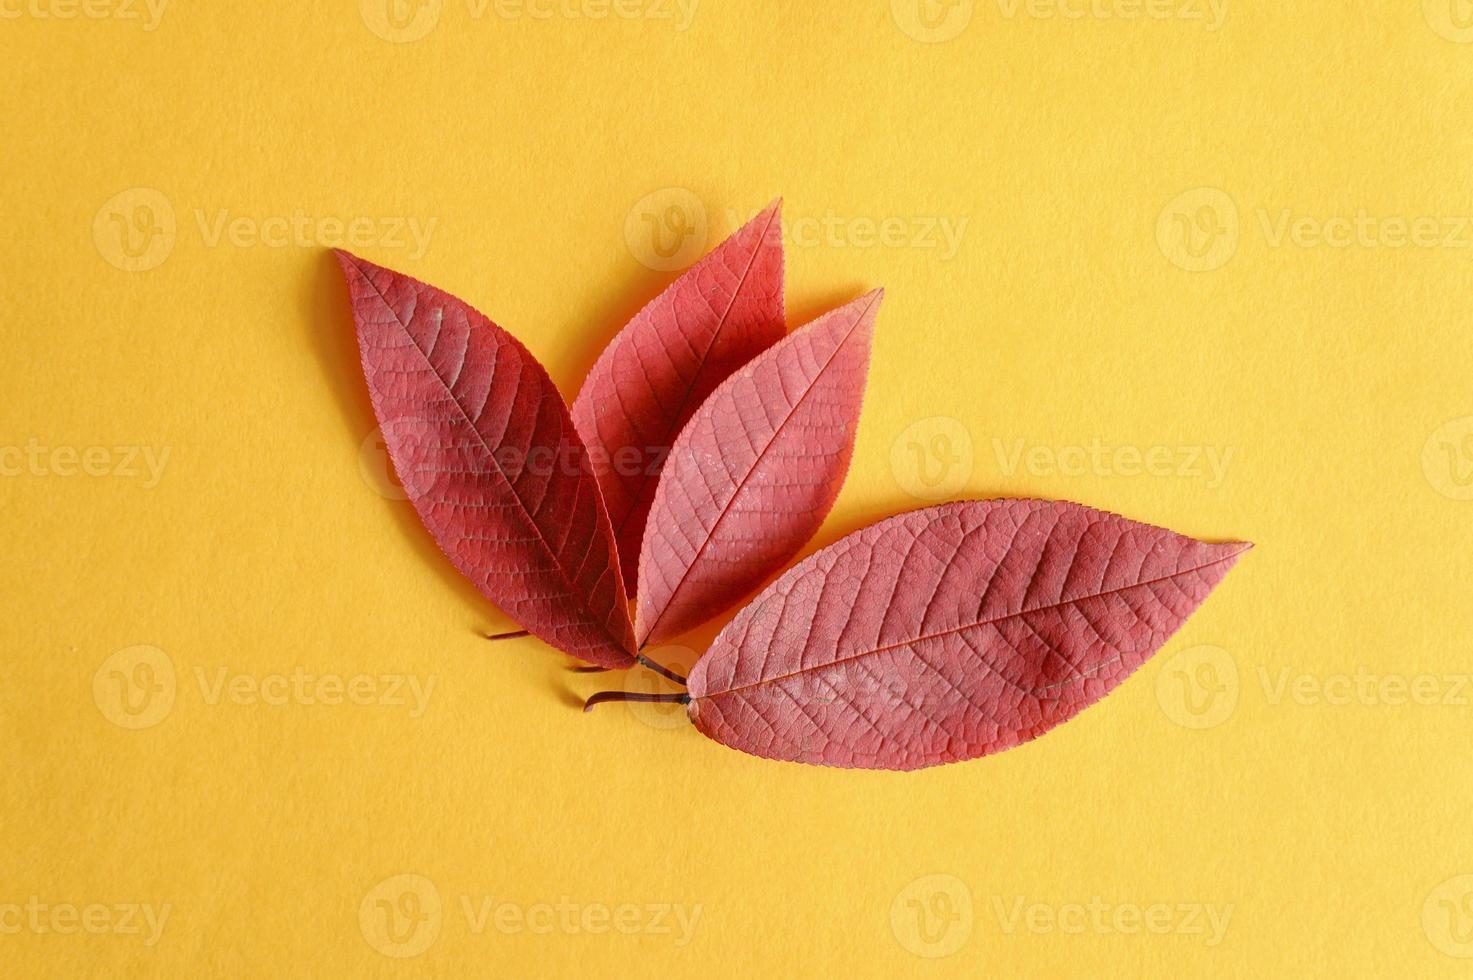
point(967, 626)
point(757, 462)
point(572, 587)
point(648, 484)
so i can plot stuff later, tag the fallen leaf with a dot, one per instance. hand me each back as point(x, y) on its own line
point(722, 312)
point(754, 473)
point(488, 454)
point(948, 633)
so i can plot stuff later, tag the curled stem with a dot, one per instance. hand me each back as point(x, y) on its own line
point(607, 696)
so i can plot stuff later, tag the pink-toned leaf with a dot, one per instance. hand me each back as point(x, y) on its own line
point(754, 473)
point(488, 454)
point(949, 633)
point(722, 312)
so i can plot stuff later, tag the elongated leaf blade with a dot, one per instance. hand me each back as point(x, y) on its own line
point(489, 456)
point(754, 473)
point(949, 633)
point(722, 312)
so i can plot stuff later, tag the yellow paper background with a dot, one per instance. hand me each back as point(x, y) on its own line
point(1281, 761)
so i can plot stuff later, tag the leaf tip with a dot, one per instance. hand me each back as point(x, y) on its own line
point(349, 262)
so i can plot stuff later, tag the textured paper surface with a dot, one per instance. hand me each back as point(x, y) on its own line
point(1023, 188)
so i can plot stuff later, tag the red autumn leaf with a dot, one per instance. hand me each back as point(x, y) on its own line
point(949, 633)
point(488, 454)
point(754, 473)
point(722, 312)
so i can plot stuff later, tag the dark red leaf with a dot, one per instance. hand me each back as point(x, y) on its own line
point(488, 454)
point(722, 312)
point(949, 633)
point(754, 473)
